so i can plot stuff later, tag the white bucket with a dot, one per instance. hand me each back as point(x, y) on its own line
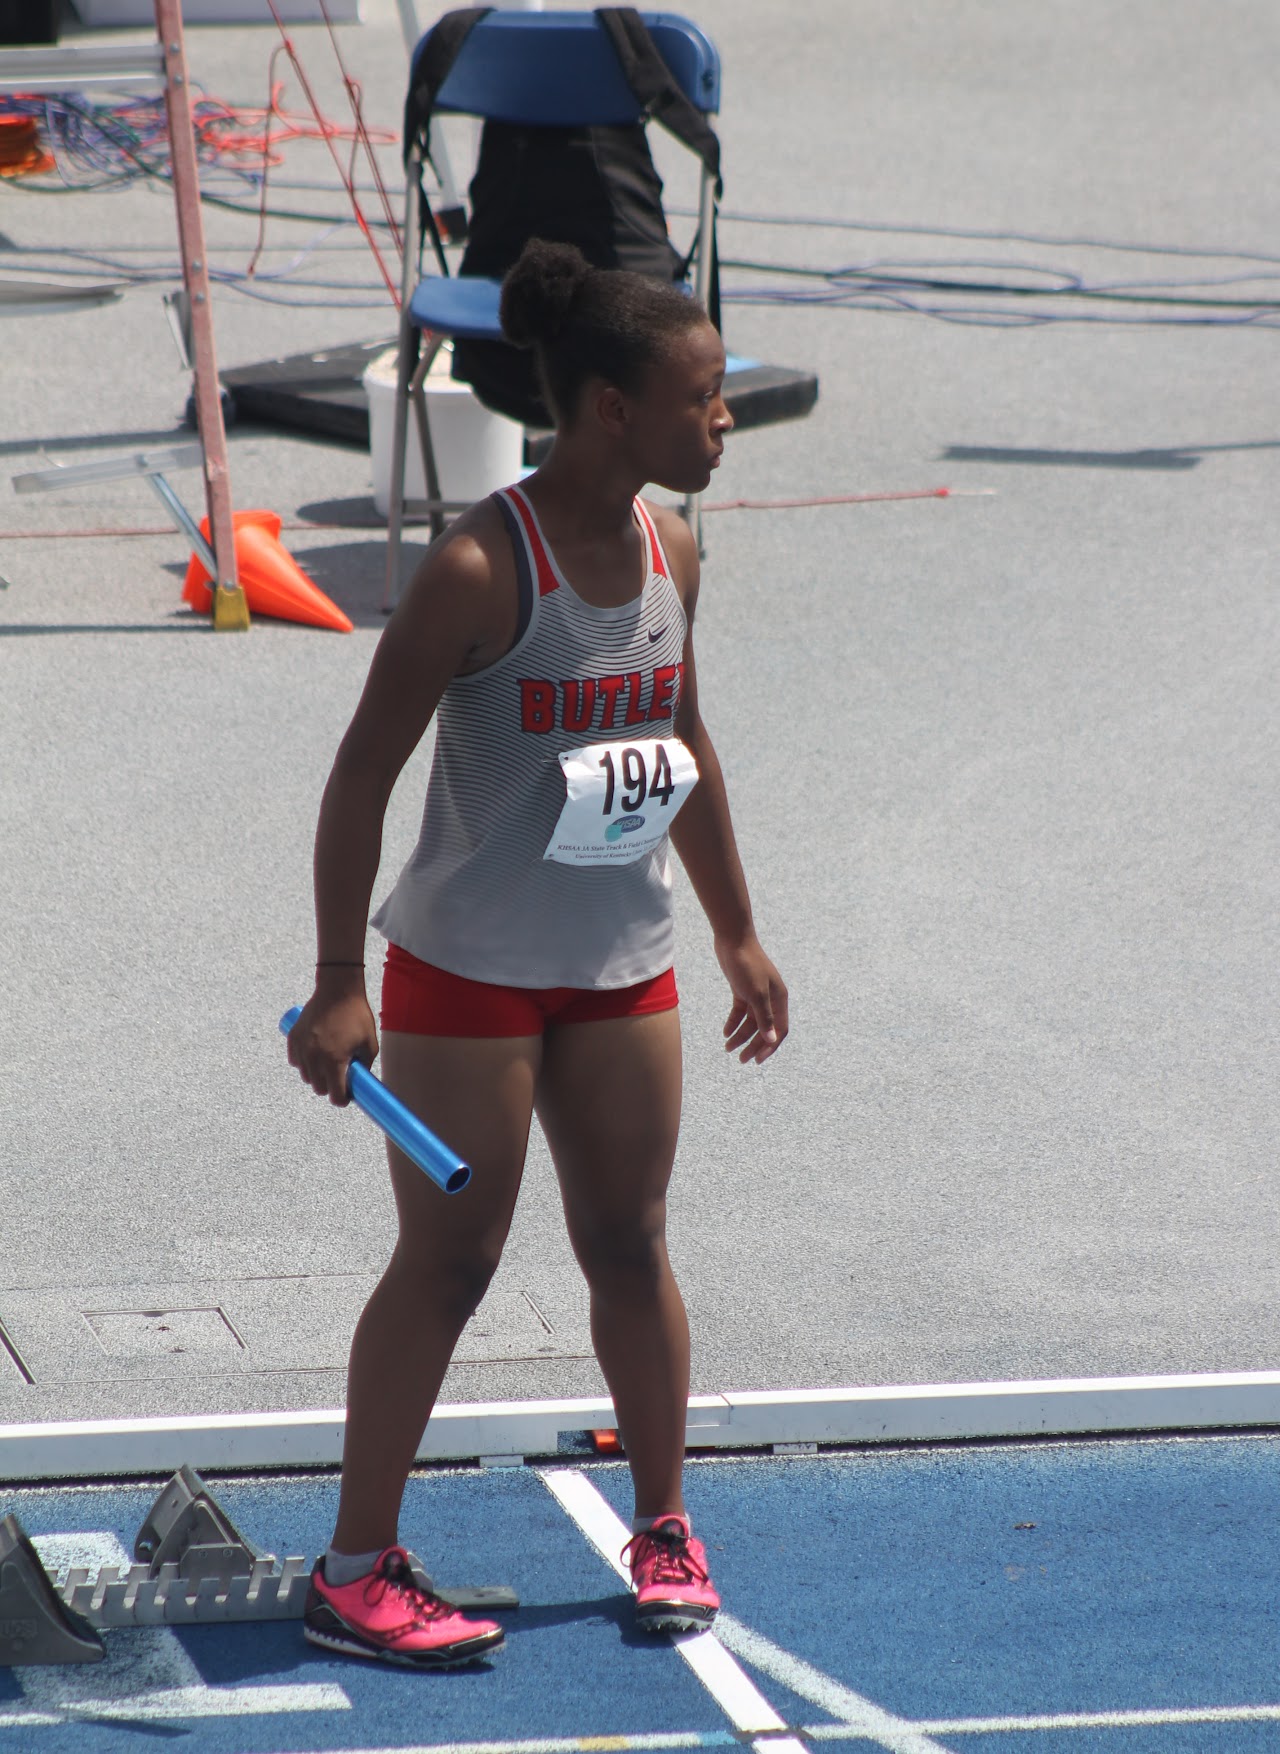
point(476, 450)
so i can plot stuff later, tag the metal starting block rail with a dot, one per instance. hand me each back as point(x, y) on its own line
point(136, 1596)
point(270, 1590)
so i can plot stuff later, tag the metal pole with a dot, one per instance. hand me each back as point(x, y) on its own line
point(185, 522)
point(409, 26)
point(230, 608)
point(702, 289)
point(406, 361)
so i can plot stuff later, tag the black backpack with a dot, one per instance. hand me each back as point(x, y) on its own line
point(593, 187)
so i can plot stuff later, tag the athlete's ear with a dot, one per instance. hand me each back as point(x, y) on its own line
point(611, 410)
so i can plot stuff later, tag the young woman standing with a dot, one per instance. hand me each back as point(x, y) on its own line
point(529, 967)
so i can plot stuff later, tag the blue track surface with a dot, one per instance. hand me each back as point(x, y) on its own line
point(1148, 1584)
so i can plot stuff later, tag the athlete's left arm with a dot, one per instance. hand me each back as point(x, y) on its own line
point(702, 835)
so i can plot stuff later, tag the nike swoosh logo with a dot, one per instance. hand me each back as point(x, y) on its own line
point(656, 636)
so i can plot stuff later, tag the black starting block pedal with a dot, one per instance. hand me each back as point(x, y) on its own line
point(490, 1598)
point(36, 1626)
point(478, 1599)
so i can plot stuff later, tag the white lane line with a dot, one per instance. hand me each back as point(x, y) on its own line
point(738, 1696)
point(856, 1714)
point(734, 1692)
point(174, 1702)
point(1106, 1720)
point(663, 1739)
point(642, 1744)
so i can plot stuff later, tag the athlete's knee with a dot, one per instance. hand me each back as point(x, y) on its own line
point(626, 1259)
point(452, 1287)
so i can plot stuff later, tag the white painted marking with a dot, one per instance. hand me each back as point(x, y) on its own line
point(859, 1716)
point(571, 1744)
point(136, 1665)
point(1105, 1720)
point(146, 1674)
point(733, 1691)
point(599, 1522)
point(653, 1744)
point(166, 1704)
point(737, 1696)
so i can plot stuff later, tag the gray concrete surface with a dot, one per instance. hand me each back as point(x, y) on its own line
point(1002, 768)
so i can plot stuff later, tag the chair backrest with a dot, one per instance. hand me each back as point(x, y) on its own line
point(559, 69)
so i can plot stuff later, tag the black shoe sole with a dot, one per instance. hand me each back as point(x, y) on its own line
point(675, 1619)
point(349, 1644)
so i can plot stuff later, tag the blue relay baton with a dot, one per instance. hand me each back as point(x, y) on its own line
point(401, 1125)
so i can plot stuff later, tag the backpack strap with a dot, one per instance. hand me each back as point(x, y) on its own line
point(440, 49)
point(654, 87)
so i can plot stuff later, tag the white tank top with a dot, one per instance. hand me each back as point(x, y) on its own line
point(477, 897)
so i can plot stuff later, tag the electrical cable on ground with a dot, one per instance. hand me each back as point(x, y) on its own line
point(101, 145)
point(375, 523)
point(820, 222)
point(356, 102)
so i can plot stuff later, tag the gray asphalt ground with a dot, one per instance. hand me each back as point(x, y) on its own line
point(1002, 766)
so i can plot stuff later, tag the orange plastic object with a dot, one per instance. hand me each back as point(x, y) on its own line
point(21, 154)
point(607, 1443)
point(272, 581)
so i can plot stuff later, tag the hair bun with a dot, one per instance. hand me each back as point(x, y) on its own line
point(539, 290)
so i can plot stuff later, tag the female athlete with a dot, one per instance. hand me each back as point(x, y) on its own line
point(530, 934)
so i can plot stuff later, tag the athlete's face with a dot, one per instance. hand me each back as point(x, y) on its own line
point(678, 418)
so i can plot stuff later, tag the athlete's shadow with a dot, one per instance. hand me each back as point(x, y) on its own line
point(235, 1653)
point(618, 1610)
point(164, 1731)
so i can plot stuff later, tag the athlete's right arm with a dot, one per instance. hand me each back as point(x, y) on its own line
point(447, 617)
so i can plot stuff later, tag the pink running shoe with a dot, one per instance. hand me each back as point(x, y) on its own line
point(669, 1577)
point(388, 1615)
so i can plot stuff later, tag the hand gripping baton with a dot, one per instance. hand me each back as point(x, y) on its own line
point(402, 1127)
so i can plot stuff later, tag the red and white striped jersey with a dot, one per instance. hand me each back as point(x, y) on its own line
point(477, 897)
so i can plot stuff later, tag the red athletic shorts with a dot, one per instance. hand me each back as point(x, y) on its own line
point(420, 999)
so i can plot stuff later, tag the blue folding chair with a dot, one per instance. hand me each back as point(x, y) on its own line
point(533, 69)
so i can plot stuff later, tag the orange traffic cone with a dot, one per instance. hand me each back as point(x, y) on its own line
point(271, 579)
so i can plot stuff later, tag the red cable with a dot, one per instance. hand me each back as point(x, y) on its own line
point(327, 131)
point(777, 505)
point(227, 131)
point(357, 111)
point(726, 505)
point(266, 161)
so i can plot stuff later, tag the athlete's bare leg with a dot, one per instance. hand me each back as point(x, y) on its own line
point(608, 1099)
point(477, 1094)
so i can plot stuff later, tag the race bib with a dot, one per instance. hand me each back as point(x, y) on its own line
point(621, 799)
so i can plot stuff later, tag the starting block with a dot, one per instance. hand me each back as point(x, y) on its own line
point(36, 1626)
point(187, 1528)
point(195, 1568)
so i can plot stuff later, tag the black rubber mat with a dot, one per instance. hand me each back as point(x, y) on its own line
point(322, 393)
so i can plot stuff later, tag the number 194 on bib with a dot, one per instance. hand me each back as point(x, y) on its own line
point(620, 799)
